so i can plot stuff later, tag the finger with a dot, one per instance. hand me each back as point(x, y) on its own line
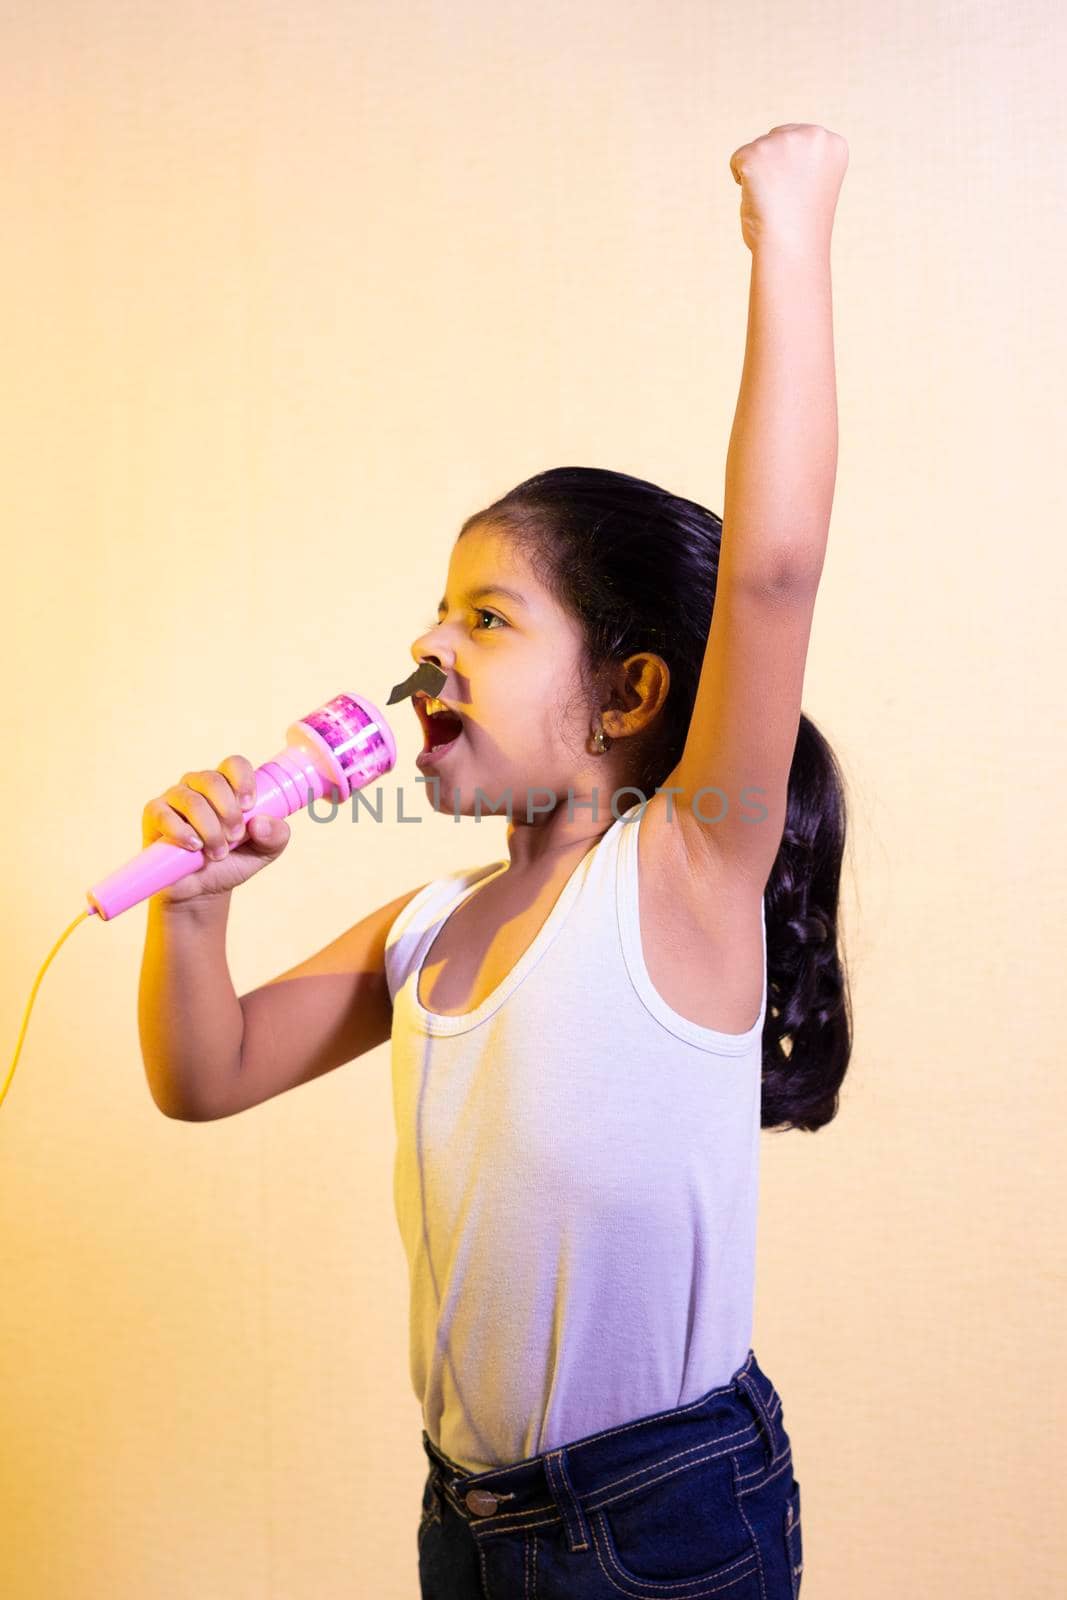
point(220, 792)
point(191, 803)
point(159, 820)
point(202, 816)
point(268, 833)
point(242, 776)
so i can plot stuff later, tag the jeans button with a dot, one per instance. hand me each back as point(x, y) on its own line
point(481, 1502)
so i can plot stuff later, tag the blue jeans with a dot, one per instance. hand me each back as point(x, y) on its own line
point(699, 1503)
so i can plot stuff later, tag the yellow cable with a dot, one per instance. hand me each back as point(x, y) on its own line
point(22, 1031)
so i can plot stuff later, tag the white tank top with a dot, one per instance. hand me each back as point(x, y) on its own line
point(576, 1178)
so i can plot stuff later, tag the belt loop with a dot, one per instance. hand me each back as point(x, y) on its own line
point(747, 1385)
point(559, 1482)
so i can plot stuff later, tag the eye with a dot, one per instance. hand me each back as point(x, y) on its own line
point(481, 612)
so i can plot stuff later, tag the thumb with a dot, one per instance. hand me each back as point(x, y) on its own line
point(268, 833)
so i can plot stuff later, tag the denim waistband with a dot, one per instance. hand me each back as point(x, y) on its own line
point(565, 1483)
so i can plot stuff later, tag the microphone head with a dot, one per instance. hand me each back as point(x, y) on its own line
point(356, 736)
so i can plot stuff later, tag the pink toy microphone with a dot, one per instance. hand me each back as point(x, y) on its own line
point(331, 752)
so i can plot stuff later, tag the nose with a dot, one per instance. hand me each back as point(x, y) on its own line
point(427, 648)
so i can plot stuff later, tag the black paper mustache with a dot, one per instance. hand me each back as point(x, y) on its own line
point(426, 676)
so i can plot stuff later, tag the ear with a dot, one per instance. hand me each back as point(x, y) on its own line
point(639, 689)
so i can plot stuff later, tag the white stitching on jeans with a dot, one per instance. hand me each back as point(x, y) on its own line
point(743, 1565)
point(762, 1484)
point(755, 1542)
point(488, 1527)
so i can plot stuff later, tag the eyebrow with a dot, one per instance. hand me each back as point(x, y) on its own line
point(480, 594)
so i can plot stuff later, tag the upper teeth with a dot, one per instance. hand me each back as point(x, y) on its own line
point(431, 705)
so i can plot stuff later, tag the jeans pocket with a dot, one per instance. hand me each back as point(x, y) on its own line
point(793, 1542)
point(680, 1531)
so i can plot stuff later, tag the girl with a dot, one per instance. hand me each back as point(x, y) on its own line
point(579, 1084)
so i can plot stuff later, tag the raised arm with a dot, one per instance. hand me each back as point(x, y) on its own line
point(780, 472)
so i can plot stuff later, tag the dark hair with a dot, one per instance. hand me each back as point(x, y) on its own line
point(637, 566)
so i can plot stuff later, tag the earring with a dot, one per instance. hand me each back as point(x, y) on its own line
point(599, 742)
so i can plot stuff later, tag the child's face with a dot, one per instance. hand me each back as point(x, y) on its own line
point(512, 673)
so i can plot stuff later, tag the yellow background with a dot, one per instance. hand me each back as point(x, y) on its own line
point(287, 292)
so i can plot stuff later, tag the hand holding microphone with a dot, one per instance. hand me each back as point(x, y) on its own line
point(205, 813)
point(216, 828)
point(342, 746)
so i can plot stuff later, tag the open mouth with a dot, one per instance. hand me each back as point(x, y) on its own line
point(440, 727)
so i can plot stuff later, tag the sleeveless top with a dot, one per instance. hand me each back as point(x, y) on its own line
point(576, 1177)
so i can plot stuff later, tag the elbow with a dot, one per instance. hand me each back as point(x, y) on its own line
point(187, 1113)
point(784, 577)
point(794, 569)
point(778, 564)
point(172, 1109)
point(172, 1113)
